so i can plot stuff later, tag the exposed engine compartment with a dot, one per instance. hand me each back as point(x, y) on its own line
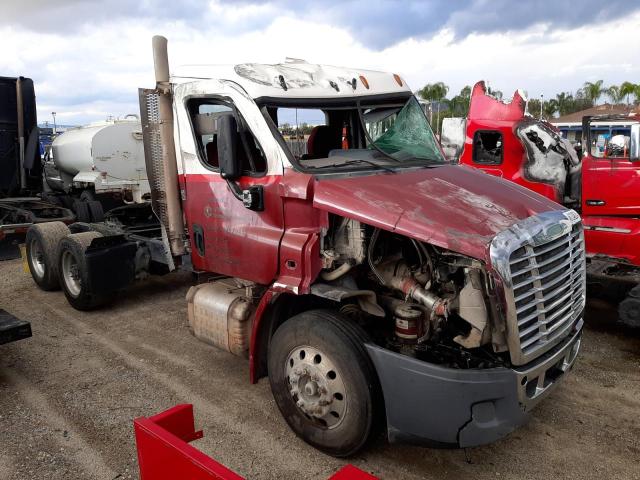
point(412, 297)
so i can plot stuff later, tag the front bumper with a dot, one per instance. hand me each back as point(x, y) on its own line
point(444, 407)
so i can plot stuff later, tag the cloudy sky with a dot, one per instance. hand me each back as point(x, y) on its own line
point(87, 57)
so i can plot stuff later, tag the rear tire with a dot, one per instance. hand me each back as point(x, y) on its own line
point(82, 212)
point(87, 196)
point(73, 273)
point(324, 383)
point(95, 211)
point(42, 247)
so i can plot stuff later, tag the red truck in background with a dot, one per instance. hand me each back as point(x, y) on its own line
point(601, 181)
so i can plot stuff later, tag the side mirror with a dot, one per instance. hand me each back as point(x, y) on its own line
point(634, 143)
point(230, 167)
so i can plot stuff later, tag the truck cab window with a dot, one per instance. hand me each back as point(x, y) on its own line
point(204, 121)
point(487, 148)
point(300, 128)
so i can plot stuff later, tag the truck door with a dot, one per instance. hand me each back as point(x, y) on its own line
point(226, 237)
point(610, 183)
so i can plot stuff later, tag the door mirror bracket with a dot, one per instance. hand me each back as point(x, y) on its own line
point(252, 197)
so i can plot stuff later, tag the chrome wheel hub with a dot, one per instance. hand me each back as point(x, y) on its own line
point(37, 259)
point(316, 386)
point(70, 273)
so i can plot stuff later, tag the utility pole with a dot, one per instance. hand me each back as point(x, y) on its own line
point(541, 103)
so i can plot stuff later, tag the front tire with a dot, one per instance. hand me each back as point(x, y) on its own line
point(324, 383)
point(73, 273)
point(42, 245)
point(629, 308)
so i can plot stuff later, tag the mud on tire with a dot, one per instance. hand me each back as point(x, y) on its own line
point(324, 383)
point(73, 273)
point(42, 246)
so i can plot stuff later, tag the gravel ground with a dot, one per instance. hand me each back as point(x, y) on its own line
point(69, 394)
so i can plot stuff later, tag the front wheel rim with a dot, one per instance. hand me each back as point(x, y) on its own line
point(316, 386)
point(71, 273)
point(37, 259)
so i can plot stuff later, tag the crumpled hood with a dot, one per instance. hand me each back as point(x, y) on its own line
point(452, 206)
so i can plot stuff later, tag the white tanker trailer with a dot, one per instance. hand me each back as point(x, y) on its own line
point(101, 162)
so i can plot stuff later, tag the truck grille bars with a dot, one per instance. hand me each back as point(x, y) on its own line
point(542, 264)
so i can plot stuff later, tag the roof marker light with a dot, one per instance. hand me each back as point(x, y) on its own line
point(397, 79)
point(364, 82)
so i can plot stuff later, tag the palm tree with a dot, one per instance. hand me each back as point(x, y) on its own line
point(434, 91)
point(593, 91)
point(549, 108)
point(564, 101)
point(615, 94)
point(460, 103)
point(627, 89)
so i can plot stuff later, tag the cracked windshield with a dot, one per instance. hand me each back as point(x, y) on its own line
point(382, 136)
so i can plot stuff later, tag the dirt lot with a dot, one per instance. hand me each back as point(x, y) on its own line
point(69, 394)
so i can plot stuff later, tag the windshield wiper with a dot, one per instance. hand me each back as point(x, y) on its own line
point(355, 162)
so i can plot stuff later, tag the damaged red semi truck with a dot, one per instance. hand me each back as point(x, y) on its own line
point(601, 183)
point(376, 285)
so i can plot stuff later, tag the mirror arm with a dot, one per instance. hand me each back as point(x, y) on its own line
point(235, 188)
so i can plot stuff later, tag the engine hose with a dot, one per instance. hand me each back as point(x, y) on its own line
point(337, 273)
point(372, 245)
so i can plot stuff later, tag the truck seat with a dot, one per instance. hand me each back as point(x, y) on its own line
point(321, 141)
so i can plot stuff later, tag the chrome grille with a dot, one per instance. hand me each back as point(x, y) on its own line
point(548, 287)
point(542, 264)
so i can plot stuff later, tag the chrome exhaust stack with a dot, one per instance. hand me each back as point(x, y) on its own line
point(169, 197)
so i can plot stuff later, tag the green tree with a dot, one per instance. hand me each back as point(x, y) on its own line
point(593, 91)
point(549, 108)
point(533, 107)
point(434, 92)
point(460, 103)
point(615, 94)
point(627, 89)
point(564, 102)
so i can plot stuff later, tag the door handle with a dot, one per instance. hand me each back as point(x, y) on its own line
point(596, 203)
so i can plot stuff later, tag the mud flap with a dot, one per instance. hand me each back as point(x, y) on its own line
point(111, 263)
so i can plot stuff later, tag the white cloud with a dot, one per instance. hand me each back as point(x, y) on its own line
point(95, 70)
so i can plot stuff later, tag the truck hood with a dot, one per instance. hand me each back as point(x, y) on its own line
point(451, 206)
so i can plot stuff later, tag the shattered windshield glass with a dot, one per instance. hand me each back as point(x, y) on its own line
point(402, 134)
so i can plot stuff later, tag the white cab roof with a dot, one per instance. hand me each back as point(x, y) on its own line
point(302, 79)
